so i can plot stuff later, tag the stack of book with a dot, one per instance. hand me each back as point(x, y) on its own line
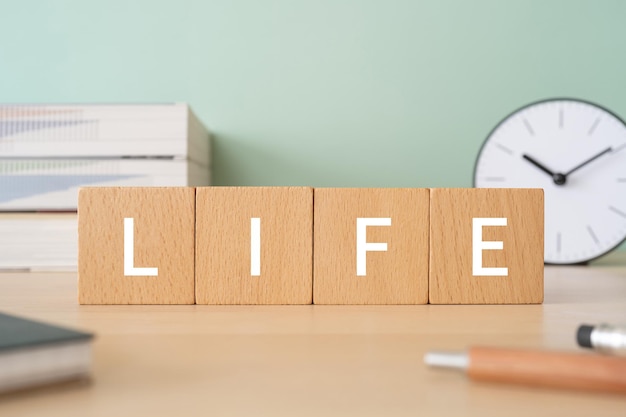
point(47, 152)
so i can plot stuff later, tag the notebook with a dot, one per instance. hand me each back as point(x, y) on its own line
point(33, 353)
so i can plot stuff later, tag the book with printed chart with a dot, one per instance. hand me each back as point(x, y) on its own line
point(52, 184)
point(103, 130)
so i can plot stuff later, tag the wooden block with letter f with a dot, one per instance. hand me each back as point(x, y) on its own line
point(136, 245)
point(254, 245)
point(486, 246)
point(371, 246)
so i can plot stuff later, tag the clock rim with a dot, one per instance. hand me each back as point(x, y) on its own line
point(534, 103)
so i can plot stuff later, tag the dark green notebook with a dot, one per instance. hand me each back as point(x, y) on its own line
point(35, 353)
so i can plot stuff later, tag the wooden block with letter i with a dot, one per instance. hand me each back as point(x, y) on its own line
point(371, 246)
point(136, 245)
point(254, 245)
point(486, 246)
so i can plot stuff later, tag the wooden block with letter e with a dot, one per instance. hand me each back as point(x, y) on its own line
point(254, 245)
point(486, 246)
point(371, 246)
point(136, 245)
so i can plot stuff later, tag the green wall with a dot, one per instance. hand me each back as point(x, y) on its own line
point(325, 92)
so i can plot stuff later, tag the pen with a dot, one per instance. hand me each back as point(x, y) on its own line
point(604, 337)
point(537, 368)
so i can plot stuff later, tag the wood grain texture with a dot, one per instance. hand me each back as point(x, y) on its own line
point(396, 276)
point(164, 237)
point(451, 275)
point(223, 255)
point(311, 360)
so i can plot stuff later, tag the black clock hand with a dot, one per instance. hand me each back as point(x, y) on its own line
point(593, 158)
point(559, 179)
point(538, 165)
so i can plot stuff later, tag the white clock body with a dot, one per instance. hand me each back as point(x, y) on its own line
point(585, 217)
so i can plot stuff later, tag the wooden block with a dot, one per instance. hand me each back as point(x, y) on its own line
point(461, 263)
point(397, 275)
point(240, 260)
point(163, 230)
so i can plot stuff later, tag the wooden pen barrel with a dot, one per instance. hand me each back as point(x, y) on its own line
point(589, 372)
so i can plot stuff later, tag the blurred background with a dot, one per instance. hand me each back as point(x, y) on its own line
point(322, 93)
point(366, 93)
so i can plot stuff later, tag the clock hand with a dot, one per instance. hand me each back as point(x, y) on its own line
point(538, 165)
point(559, 179)
point(593, 158)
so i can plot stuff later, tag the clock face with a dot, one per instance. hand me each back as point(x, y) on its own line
point(576, 152)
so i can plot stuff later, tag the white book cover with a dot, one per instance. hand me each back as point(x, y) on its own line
point(38, 241)
point(52, 184)
point(89, 130)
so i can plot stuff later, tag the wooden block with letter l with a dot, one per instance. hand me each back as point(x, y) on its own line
point(371, 246)
point(486, 246)
point(136, 245)
point(254, 245)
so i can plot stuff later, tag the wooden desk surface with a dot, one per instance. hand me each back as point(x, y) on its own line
point(310, 360)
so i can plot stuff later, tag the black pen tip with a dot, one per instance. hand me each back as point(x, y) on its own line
point(583, 335)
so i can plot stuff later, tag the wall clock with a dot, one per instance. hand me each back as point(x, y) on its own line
point(576, 152)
